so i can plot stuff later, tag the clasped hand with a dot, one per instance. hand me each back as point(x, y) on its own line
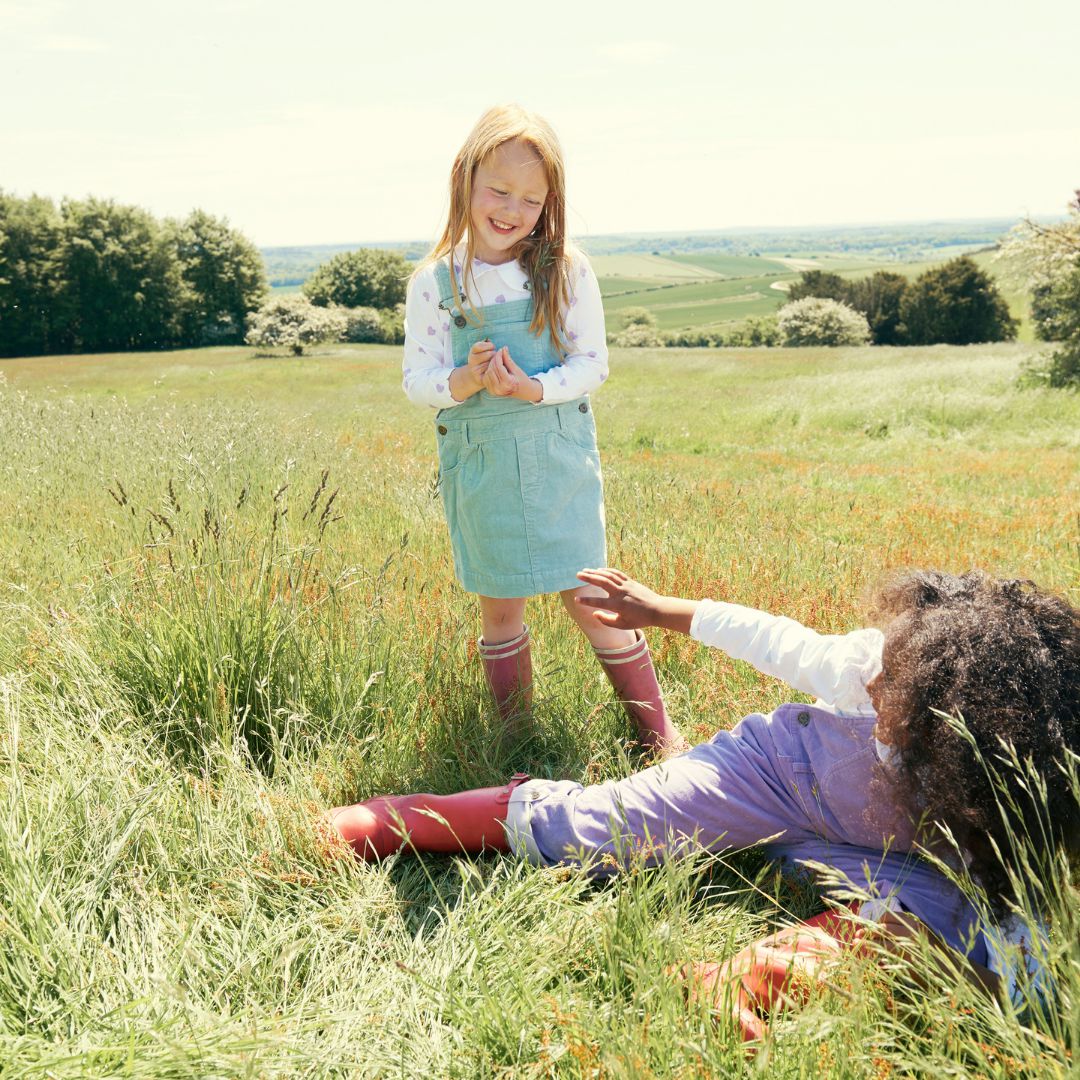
point(494, 370)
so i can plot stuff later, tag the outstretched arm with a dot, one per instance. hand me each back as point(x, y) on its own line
point(834, 668)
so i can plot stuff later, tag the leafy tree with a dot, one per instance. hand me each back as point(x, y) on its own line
point(1064, 369)
point(366, 277)
point(955, 304)
point(821, 283)
point(1046, 260)
point(224, 278)
point(123, 287)
point(31, 277)
point(819, 321)
point(294, 321)
point(879, 297)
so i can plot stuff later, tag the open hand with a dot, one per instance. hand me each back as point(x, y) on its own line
point(629, 605)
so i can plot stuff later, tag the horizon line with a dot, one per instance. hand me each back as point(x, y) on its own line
point(723, 231)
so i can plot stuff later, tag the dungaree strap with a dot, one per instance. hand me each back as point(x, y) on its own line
point(447, 299)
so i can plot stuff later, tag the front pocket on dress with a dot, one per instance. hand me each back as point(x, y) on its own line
point(452, 453)
point(580, 430)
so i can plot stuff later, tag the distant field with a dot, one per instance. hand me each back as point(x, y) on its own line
point(650, 266)
point(728, 289)
point(610, 286)
point(731, 265)
point(704, 304)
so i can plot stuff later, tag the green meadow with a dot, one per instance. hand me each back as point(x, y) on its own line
point(713, 291)
point(228, 604)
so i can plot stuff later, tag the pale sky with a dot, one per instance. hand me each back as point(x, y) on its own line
point(335, 121)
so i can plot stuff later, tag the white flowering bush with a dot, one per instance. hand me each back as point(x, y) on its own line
point(638, 336)
point(294, 322)
point(817, 321)
point(363, 324)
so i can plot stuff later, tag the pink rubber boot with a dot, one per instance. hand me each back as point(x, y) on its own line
point(469, 822)
point(633, 676)
point(508, 668)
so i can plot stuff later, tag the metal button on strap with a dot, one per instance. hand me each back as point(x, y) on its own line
point(459, 321)
point(442, 429)
point(803, 718)
point(583, 407)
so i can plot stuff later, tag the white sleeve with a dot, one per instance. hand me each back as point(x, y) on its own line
point(427, 360)
point(834, 668)
point(586, 366)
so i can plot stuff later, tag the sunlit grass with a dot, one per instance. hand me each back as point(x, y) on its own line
point(228, 603)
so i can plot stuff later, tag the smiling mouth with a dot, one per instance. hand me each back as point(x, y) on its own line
point(501, 227)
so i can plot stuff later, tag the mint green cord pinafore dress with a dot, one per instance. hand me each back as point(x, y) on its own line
point(521, 483)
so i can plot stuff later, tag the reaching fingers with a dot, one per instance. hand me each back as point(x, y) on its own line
point(594, 601)
point(605, 578)
point(608, 618)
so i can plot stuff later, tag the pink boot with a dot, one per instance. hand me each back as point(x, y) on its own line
point(631, 672)
point(469, 821)
point(508, 667)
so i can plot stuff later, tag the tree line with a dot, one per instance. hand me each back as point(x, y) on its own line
point(94, 275)
point(956, 303)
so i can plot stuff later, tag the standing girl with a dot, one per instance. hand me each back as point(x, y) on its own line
point(504, 335)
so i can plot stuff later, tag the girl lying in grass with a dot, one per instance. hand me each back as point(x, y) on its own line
point(867, 781)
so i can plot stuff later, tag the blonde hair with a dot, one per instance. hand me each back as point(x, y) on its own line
point(544, 255)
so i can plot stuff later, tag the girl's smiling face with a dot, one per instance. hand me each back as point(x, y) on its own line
point(508, 194)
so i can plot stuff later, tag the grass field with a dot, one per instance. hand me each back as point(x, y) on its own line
point(701, 304)
point(228, 603)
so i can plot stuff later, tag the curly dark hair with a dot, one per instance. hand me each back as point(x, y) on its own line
point(1003, 656)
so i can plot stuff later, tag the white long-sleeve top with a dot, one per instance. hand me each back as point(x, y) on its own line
point(835, 668)
point(428, 361)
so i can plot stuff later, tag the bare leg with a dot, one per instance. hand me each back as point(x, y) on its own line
point(501, 619)
point(599, 635)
